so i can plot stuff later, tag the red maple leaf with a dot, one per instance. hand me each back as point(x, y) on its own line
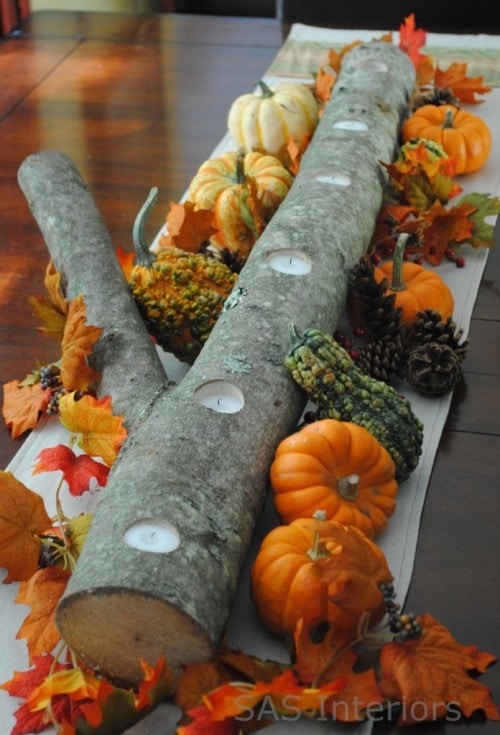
point(78, 471)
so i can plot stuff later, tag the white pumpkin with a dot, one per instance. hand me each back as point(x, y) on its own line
point(267, 119)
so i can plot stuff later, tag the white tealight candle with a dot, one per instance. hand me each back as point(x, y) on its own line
point(152, 534)
point(288, 260)
point(355, 125)
point(336, 178)
point(220, 396)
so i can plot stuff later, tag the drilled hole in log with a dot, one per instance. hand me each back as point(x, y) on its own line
point(336, 178)
point(289, 260)
point(152, 534)
point(220, 396)
point(354, 125)
point(371, 65)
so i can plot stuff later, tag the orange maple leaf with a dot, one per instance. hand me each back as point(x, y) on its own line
point(78, 342)
point(411, 39)
point(296, 150)
point(42, 592)
point(126, 261)
point(53, 284)
point(441, 227)
point(188, 228)
point(430, 675)
point(22, 405)
point(22, 518)
point(464, 87)
point(323, 83)
point(100, 434)
point(78, 470)
point(77, 683)
point(54, 320)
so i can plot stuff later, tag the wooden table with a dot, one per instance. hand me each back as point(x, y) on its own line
point(141, 101)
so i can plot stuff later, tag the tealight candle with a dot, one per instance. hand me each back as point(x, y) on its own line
point(220, 396)
point(288, 260)
point(336, 178)
point(152, 534)
point(355, 125)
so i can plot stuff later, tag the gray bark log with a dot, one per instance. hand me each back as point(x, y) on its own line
point(83, 252)
point(207, 472)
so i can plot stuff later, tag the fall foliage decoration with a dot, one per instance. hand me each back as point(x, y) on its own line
point(463, 135)
point(337, 467)
point(313, 568)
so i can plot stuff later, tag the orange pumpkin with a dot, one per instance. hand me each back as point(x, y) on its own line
point(337, 467)
point(415, 288)
point(317, 570)
point(462, 135)
point(226, 186)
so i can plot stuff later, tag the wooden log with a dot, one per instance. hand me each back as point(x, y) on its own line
point(82, 251)
point(200, 469)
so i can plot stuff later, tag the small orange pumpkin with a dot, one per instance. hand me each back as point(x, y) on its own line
point(317, 570)
point(463, 135)
point(337, 467)
point(415, 288)
point(226, 185)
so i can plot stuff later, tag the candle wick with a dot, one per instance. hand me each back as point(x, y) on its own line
point(291, 261)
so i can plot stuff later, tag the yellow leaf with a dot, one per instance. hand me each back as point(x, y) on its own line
point(78, 342)
point(100, 433)
point(22, 517)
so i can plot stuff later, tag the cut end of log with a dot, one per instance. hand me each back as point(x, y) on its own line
point(114, 630)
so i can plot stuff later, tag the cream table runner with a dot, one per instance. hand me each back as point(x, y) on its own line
point(304, 49)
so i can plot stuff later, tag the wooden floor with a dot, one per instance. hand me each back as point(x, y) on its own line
point(140, 102)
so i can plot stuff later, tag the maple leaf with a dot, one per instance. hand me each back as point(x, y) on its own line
point(483, 206)
point(295, 150)
point(53, 284)
point(78, 470)
point(46, 311)
point(76, 531)
point(442, 227)
point(100, 434)
point(433, 672)
point(42, 593)
point(463, 87)
point(425, 71)
point(324, 82)
point(324, 653)
point(22, 405)
point(188, 228)
point(22, 518)
point(411, 39)
point(202, 724)
point(126, 261)
point(419, 183)
point(78, 341)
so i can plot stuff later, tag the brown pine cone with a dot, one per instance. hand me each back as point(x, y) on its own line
point(384, 359)
point(435, 96)
point(430, 327)
point(380, 317)
point(433, 369)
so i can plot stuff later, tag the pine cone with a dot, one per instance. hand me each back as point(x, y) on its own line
point(380, 317)
point(430, 327)
point(435, 96)
point(433, 369)
point(384, 359)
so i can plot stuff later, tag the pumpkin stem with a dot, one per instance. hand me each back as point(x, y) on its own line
point(318, 550)
point(240, 175)
point(348, 487)
point(143, 254)
point(265, 90)
point(448, 119)
point(397, 283)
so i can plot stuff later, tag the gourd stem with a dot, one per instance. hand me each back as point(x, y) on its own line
point(348, 487)
point(144, 256)
point(265, 89)
point(448, 119)
point(397, 283)
point(240, 175)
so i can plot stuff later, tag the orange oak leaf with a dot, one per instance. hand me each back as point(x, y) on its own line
point(78, 342)
point(81, 472)
point(126, 261)
point(42, 592)
point(100, 433)
point(430, 676)
point(411, 39)
point(188, 228)
point(325, 654)
point(22, 405)
point(22, 518)
point(463, 87)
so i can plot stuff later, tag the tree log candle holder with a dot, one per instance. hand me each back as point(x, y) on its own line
point(196, 475)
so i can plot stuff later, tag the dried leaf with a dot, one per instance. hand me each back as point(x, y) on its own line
point(22, 405)
point(53, 284)
point(430, 676)
point(463, 87)
point(483, 206)
point(42, 593)
point(100, 434)
point(78, 342)
point(79, 472)
point(443, 226)
point(76, 531)
point(411, 39)
point(22, 517)
point(323, 83)
point(126, 261)
point(188, 228)
point(54, 320)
